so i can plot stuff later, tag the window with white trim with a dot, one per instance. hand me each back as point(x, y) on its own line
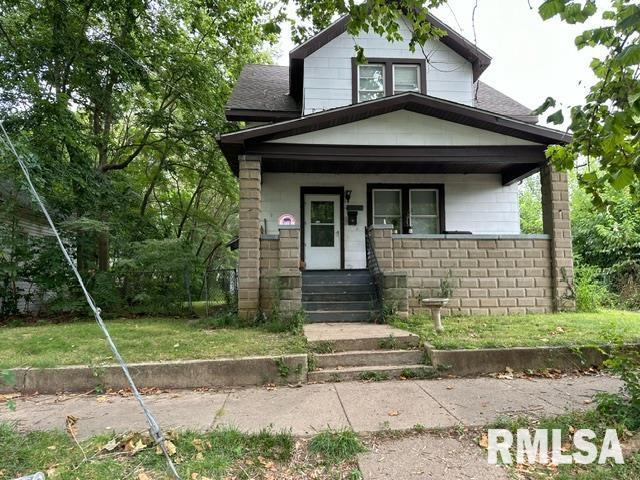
point(370, 82)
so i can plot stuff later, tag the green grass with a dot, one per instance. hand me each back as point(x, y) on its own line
point(335, 446)
point(213, 454)
point(568, 329)
point(139, 339)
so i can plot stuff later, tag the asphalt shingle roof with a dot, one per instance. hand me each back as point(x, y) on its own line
point(263, 87)
point(266, 88)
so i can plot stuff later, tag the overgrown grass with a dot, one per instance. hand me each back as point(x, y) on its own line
point(569, 329)
point(139, 339)
point(335, 446)
point(211, 454)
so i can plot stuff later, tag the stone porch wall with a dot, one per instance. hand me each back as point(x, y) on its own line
point(488, 275)
point(280, 276)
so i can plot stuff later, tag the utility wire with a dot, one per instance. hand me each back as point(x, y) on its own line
point(154, 428)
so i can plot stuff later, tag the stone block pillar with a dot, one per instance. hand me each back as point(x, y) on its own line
point(557, 224)
point(383, 246)
point(290, 277)
point(249, 241)
point(394, 284)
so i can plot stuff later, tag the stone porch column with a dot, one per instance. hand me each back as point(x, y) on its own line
point(290, 277)
point(383, 246)
point(249, 242)
point(557, 224)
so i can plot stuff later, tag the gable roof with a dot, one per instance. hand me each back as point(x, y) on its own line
point(261, 94)
point(233, 143)
point(479, 59)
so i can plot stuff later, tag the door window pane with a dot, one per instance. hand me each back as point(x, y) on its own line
point(370, 82)
point(322, 212)
point(406, 78)
point(322, 235)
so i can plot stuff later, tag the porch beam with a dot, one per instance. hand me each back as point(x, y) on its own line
point(502, 154)
point(515, 173)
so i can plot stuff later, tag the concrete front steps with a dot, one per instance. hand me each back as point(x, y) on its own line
point(363, 351)
point(338, 296)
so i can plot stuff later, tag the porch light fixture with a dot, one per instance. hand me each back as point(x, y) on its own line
point(347, 195)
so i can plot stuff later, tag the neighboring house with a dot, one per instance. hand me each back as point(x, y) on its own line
point(421, 152)
point(26, 223)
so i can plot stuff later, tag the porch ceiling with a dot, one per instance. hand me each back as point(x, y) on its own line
point(512, 162)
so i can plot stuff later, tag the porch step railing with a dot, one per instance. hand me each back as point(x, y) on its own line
point(374, 267)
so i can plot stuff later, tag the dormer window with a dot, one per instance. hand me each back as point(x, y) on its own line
point(382, 77)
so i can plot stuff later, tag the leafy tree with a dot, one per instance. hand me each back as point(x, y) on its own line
point(605, 126)
point(116, 106)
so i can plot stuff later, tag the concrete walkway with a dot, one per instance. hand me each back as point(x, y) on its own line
point(365, 407)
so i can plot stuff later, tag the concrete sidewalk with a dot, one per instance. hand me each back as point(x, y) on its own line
point(365, 407)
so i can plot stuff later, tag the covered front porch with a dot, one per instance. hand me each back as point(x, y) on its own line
point(433, 184)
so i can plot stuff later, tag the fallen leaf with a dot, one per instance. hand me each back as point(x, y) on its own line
point(484, 441)
point(393, 413)
point(198, 444)
point(111, 445)
point(169, 446)
point(71, 425)
point(199, 456)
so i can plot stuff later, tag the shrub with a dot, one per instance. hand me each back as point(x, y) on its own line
point(591, 294)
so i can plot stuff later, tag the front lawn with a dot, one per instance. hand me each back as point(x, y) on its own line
point(139, 340)
point(217, 454)
point(567, 329)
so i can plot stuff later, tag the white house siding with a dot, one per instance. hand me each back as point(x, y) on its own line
point(32, 226)
point(327, 71)
point(404, 128)
point(475, 202)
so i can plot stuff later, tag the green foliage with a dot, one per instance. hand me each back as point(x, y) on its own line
point(119, 104)
point(335, 446)
point(530, 203)
point(605, 126)
point(590, 293)
point(370, 376)
point(623, 408)
point(609, 240)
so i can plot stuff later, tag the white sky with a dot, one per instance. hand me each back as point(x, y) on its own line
point(532, 59)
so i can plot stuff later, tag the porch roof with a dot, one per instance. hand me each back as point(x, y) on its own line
point(513, 162)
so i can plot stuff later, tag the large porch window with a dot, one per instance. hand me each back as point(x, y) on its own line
point(414, 209)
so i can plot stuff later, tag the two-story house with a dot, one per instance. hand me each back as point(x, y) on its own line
point(401, 172)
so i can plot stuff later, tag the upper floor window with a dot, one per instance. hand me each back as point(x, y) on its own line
point(406, 78)
point(371, 82)
point(387, 76)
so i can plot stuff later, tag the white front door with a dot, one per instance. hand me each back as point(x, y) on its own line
point(322, 232)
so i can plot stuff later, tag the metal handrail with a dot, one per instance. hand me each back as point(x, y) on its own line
point(373, 266)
